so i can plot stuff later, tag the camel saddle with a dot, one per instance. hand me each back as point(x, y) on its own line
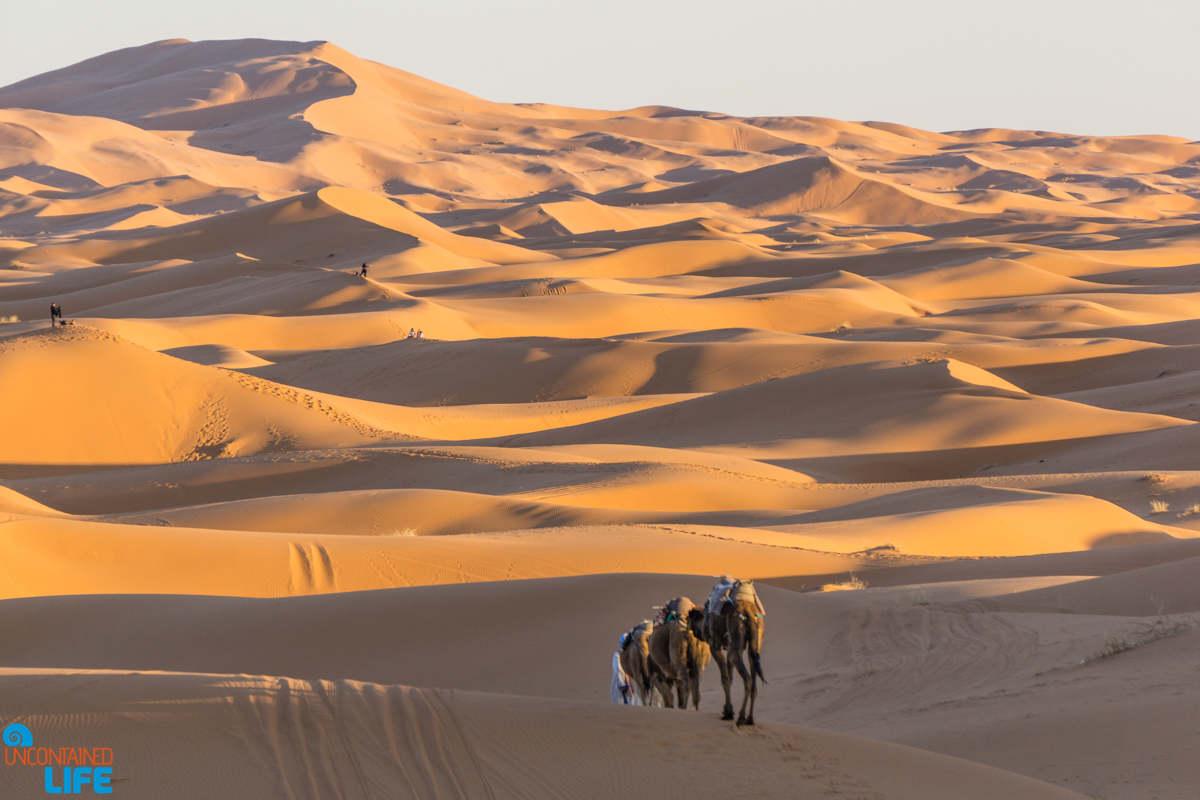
point(734, 591)
point(642, 629)
point(674, 609)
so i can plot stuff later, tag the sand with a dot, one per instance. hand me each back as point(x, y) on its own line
point(246, 519)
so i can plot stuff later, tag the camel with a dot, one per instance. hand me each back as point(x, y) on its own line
point(733, 622)
point(635, 660)
point(678, 655)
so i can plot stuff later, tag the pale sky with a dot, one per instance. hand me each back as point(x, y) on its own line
point(1102, 67)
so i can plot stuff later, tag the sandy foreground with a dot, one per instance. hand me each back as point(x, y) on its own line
point(261, 544)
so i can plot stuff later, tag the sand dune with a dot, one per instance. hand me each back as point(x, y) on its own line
point(817, 185)
point(281, 738)
point(229, 637)
point(412, 512)
point(958, 367)
point(359, 224)
point(222, 416)
point(47, 557)
point(468, 371)
point(1145, 592)
point(538, 652)
point(997, 526)
point(16, 503)
point(973, 409)
point(723, 480)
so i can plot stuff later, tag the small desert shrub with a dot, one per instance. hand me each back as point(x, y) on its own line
point(1156, 478)
point(845, 586)
point(1194, 508)
point(920, 598)
point(1159, 506)
point(9, 319)
point(1147, 632)
point(403, 532)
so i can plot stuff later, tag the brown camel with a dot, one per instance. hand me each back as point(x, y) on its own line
point(733, 623)
point(635, 660)
point(678, 655)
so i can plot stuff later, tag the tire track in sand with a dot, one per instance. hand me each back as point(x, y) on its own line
point(355, 741)
point(310, 569)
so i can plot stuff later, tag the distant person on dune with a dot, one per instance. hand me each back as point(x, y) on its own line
point(420, 334)
point(412, 333)
point(363, 272)
point(55, 313)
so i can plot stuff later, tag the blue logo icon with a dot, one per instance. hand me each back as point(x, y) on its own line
point(17, 735)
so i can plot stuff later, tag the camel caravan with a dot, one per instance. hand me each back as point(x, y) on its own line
point(661, 661)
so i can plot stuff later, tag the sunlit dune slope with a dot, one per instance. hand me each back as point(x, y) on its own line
point(47, 557)
point(154, 408)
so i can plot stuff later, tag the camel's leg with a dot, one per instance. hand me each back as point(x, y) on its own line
point(726, 681)
point(745, 673)
point(679, 666)
point(647, 679)
point(737, 643)
point(640, 682)
point(664, 691)
point(754, 639)
point(702, 654)
point(692, 680)
point(753, 696)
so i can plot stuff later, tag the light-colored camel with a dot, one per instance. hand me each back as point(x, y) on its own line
point(679, 656)
point(735, 625)
point(635, 660)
